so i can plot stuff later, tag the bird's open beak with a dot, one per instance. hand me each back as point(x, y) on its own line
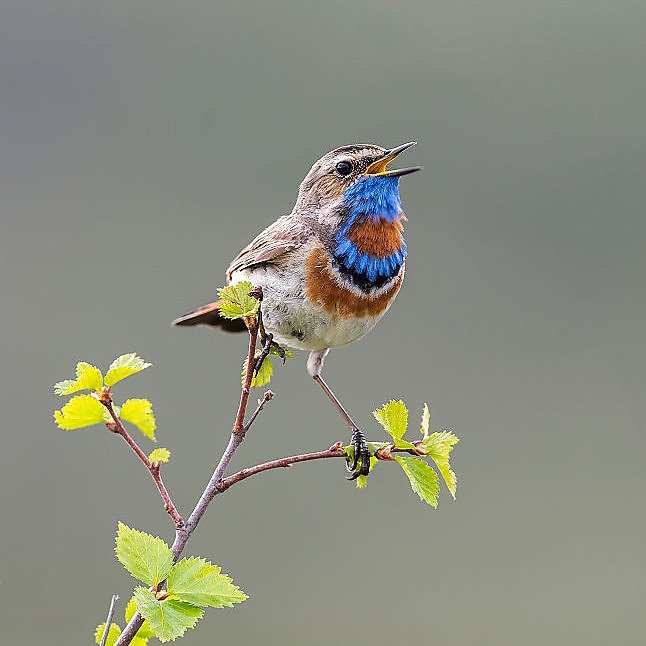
point(380, 168)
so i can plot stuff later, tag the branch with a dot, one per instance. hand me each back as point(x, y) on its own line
point(217, 484)
point(335, 451)
point(108, 621)
point(239, 425)
point(184, 532)
point(237, 435)
point(118, 427)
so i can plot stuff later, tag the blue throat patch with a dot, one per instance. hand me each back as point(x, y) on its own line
point(369, 198)
point(374, 197)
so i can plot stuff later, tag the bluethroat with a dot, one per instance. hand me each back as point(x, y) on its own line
point(330, 269)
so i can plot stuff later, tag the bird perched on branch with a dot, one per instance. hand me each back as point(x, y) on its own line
point(330, 269)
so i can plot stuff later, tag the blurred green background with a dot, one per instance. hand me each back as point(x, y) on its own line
point(142, 144)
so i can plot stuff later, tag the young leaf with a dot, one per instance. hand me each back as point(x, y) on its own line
point(64, 387)
point(426, 421)
point(393, 416)
point(159, 455)
point(168, 619)
point(144, 633)
point(236, 302)
point(362, 481)
point(79, 412)
point(288, 353)
point(438, 447)
point(113, 634)
point(423, 480)
point(264, 374)
point(140, 413)
point(200, 582)
point(146, 557)
point(124, 366)
point(88, 377)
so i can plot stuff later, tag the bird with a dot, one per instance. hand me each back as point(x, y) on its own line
point(330, 269)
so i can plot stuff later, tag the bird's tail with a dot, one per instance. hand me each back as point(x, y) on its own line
point(210, 315)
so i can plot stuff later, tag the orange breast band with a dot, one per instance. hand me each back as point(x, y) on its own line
point(377, 238)
point(322, 288)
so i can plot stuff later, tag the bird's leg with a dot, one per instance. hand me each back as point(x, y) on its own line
point(268, 343)
point(358, 439)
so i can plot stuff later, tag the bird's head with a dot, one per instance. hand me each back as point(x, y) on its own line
point(356, 177)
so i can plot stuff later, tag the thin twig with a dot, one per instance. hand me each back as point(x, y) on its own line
point(267, 397)
point(108, 621)
point(335, 451)
point(119, 428)
point(238, 425)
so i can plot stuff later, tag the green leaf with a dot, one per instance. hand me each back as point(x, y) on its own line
point(144, 632)
point(288, 353)
point(426, 421)
point(168, 619)
point(140, 413)
point(124, 366)
point(264, 374)
point(438, 447)
point(236, 302)
point(393, 416)
point(146, 557)
point(88, 377)
point(423, 480)
point(113, 634)
point(64, 387)
point(159, 455)
point(199, 582)
point(362, 481)
point(79, 412)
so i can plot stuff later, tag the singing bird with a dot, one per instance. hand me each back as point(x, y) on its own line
point(330, 269)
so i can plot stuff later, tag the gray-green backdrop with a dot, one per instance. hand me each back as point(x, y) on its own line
point(143, 143)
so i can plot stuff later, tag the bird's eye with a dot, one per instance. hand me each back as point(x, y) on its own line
point(344, 168)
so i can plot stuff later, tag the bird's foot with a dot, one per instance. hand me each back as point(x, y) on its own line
point(361, 456)
point(268, 344)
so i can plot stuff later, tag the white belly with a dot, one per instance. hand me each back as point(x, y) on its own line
point(296, 322)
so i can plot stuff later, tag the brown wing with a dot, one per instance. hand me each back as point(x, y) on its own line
point(278, 238)
point(210, 315)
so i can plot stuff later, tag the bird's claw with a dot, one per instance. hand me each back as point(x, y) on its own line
point(280, 351)
point(267, 346)
point(361, 456)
